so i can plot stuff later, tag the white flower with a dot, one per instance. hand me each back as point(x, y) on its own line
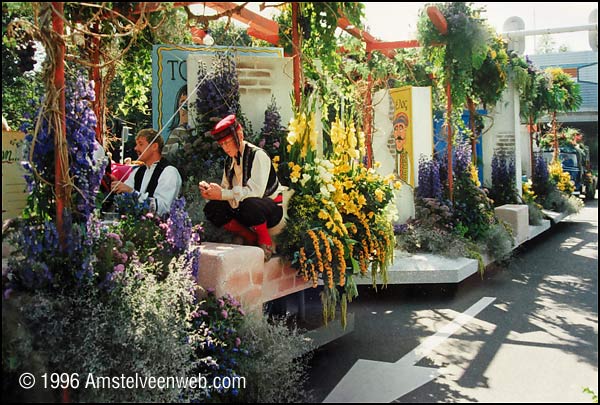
point(305, 179)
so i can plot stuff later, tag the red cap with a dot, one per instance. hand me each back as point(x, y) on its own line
point(225, 128)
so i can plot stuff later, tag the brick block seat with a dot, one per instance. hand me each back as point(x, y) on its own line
point(241, 271)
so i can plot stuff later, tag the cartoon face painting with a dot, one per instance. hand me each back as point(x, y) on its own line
point(400, 127)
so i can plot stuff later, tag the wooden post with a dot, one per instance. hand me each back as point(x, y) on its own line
point(449, 139)
point(61, 131)
point(97, 78)
point(296, 54)
point(369, 117)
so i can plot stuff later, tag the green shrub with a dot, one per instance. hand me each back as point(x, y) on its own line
point(141, 327)
point(560, 202)
point(535, 213)
point(276, 370)
point(499, 241)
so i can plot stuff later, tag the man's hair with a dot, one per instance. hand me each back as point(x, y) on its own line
point(149, 135)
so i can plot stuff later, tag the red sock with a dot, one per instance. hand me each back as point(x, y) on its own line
point(263, 234)
point(239, 229)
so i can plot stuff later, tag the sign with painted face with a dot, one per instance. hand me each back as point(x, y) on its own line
point(403, 133)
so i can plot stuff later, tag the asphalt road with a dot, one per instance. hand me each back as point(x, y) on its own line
point(537, 341)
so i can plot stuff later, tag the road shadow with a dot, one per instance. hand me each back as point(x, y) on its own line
point(549, 282)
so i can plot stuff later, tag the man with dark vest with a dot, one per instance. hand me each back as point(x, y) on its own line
point(156, 179)
point(248, 200)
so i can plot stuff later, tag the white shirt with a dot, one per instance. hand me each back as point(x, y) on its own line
point(167, 189)
point(257, 182)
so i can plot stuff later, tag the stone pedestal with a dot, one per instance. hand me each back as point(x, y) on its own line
point(517, 216)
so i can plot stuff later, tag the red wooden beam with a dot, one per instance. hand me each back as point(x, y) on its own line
point(384, 46)
point(246, 16)
point(59, 133)
point(296, 50)
point(273, 39)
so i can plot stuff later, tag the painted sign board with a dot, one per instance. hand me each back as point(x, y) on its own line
point(14, 195)
point(169, 76)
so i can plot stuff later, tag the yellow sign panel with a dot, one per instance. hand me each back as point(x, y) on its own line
point(403, 133)
point(14, 194)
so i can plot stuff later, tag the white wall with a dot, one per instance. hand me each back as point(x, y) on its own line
point(505, 133)
point(259, 78)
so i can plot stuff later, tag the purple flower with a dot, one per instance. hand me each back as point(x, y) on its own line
point(238, 342)
point(119, 268)
point(224, 314)
point(179, 226)
point(462, 157)
point(430, 184)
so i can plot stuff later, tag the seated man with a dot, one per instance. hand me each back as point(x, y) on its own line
point(155, 179)
point(248, 201)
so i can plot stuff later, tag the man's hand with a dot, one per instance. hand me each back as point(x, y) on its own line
point(119, 187)
point(210, 191)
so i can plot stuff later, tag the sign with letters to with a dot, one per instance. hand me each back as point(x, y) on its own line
point(169, 76)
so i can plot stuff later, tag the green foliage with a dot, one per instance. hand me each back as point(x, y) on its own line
point(136, 77)
point(472, 208)
point(565, 93)
point(592, 393)
point(491, 79)
point(499, 241)
point(140, 328)
point(277, 356)
point(20, 85)
point(535, 213)
point(322, 65)
point(560, 202)
point(465, 50)
point(567, 137)
point(227, 34)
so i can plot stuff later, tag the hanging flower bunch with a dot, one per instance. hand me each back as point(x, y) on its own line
point(569, 137)
point(560, 178)
point(337, 225)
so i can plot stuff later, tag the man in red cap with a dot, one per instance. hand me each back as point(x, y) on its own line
point(248, 200)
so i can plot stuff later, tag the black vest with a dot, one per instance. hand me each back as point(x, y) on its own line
point(247, 161)
point(139, 176)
